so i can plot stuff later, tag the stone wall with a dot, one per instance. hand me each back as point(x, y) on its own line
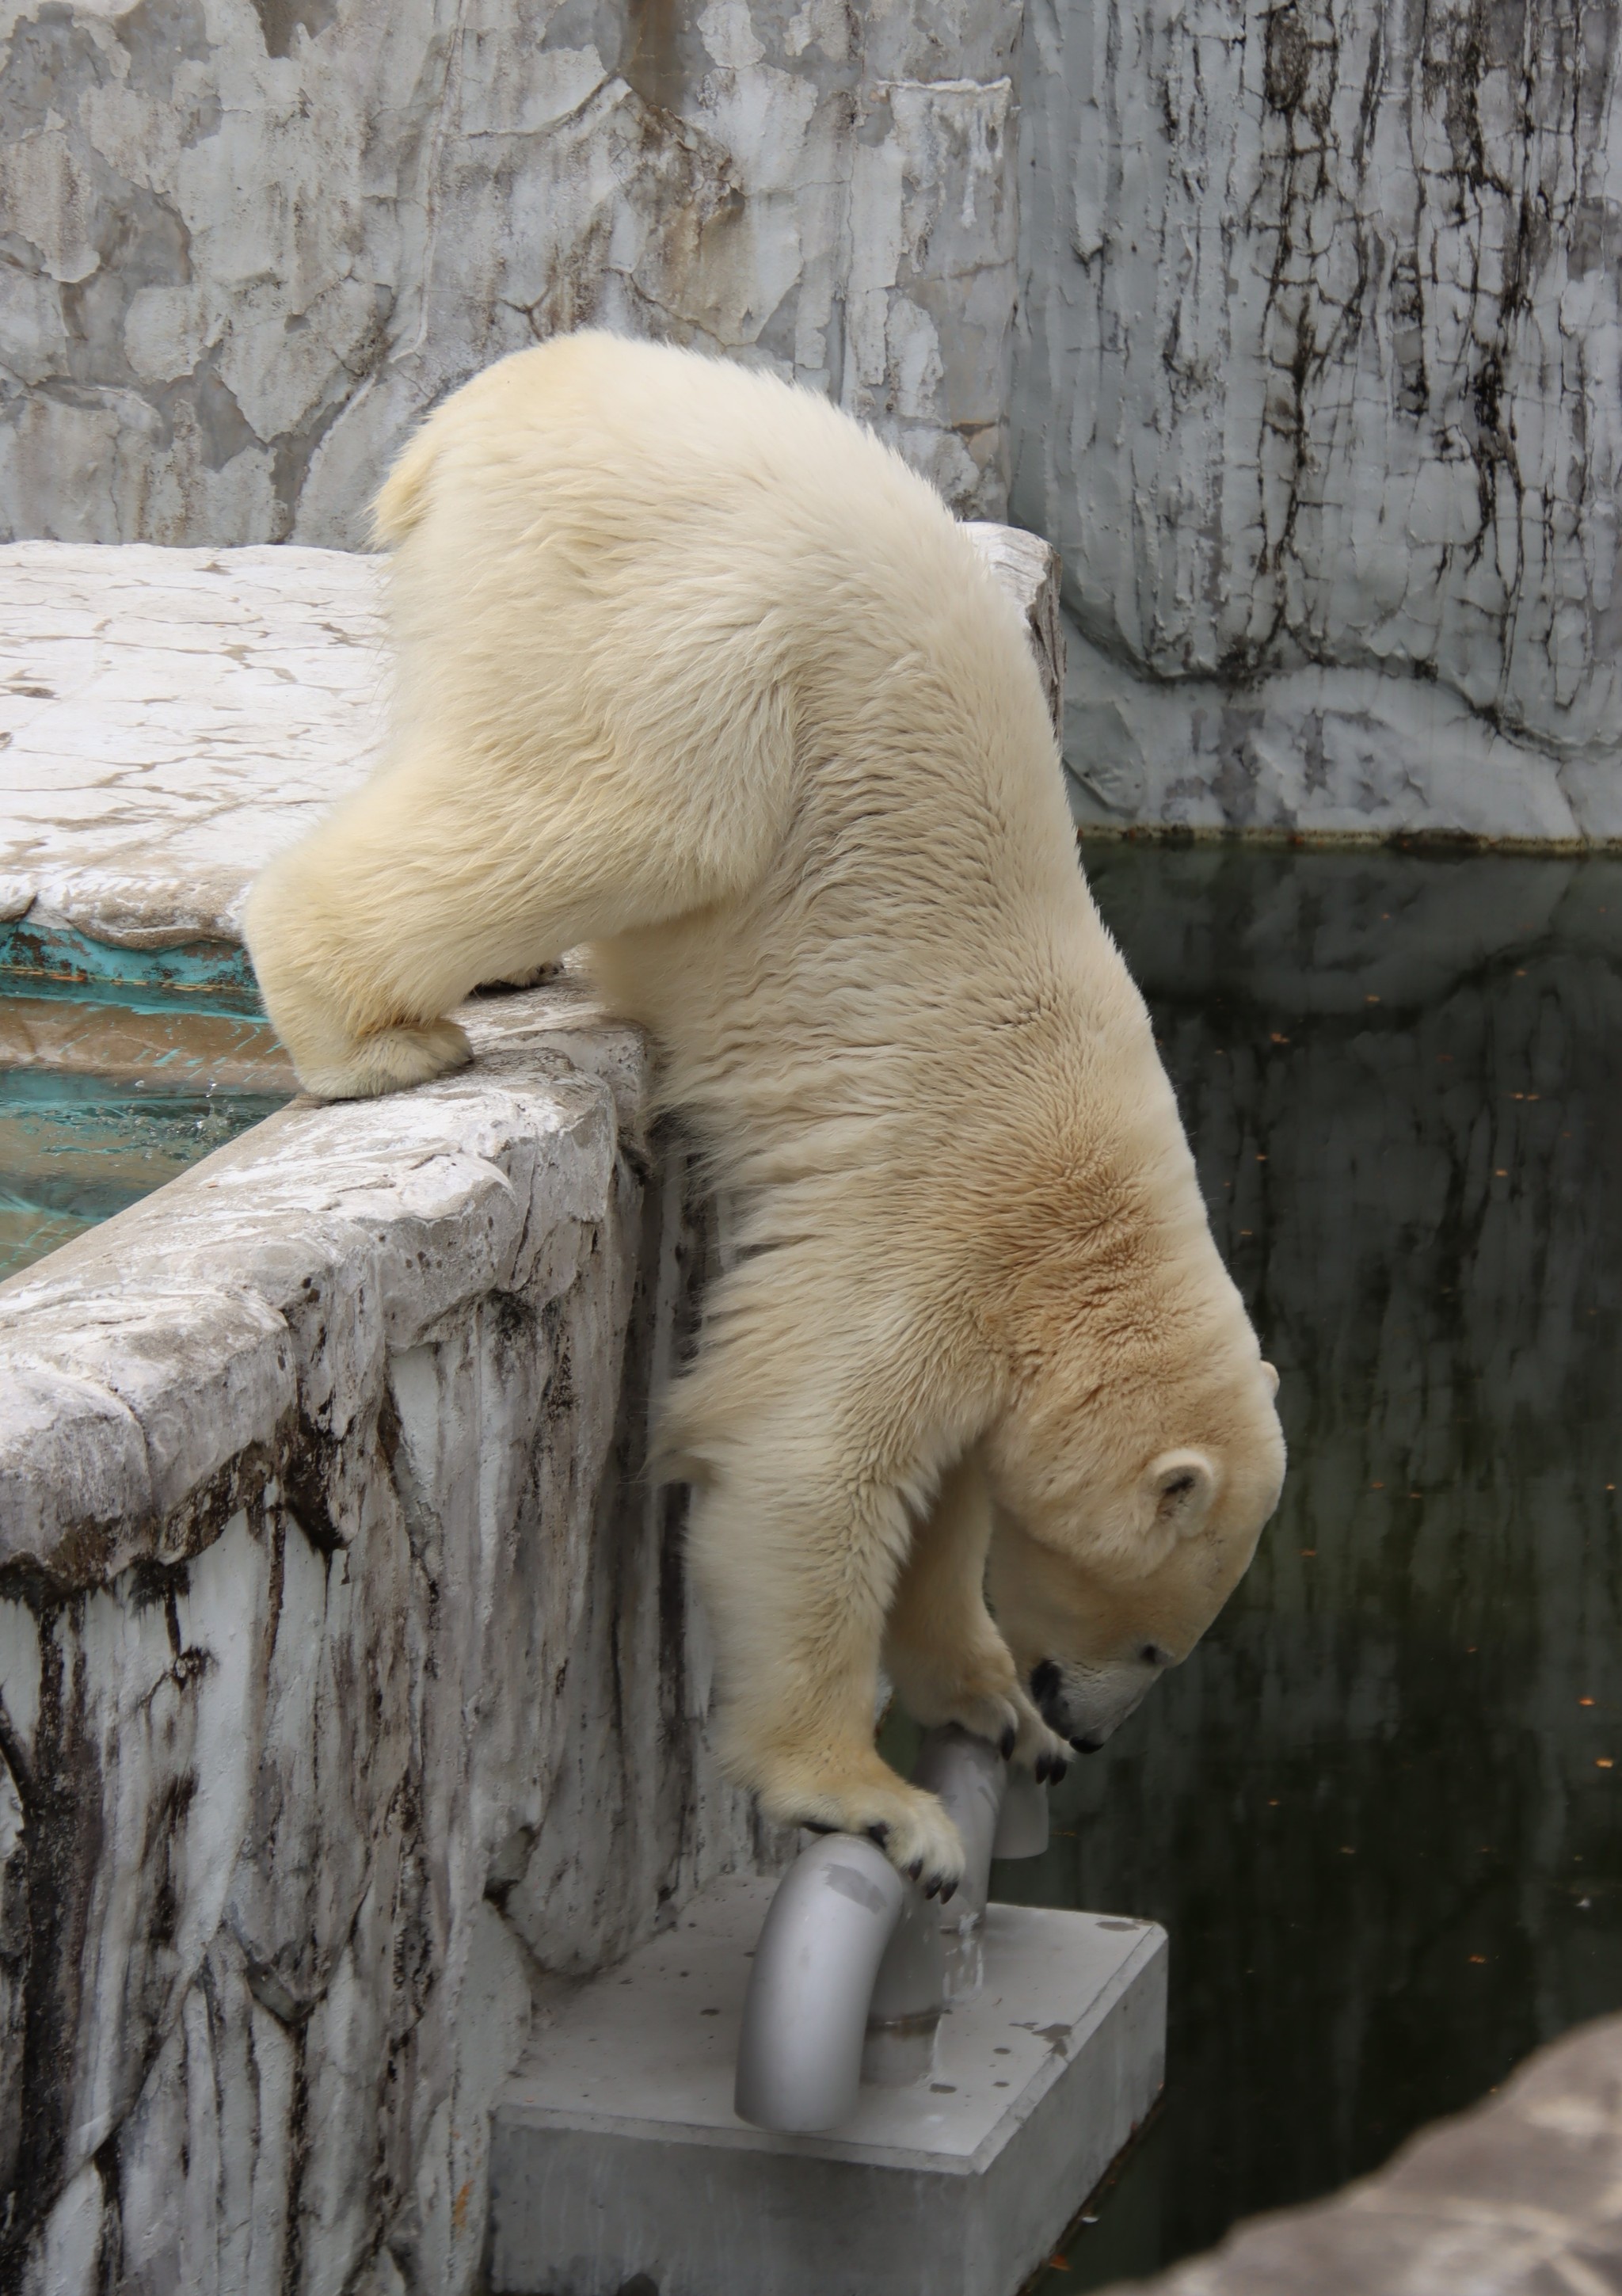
point(348, 1681)
point(1320, 396)
point(1299, 327)
point(249, 243)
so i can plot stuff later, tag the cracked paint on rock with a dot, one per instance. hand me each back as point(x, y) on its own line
point(249, 247)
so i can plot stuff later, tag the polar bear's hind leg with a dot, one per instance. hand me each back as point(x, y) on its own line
point(798, 1563)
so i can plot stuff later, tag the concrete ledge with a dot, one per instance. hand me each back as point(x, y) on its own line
point(346, 1679)
point(174, 716)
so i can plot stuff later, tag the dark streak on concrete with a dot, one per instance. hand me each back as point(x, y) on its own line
point(63, 1849)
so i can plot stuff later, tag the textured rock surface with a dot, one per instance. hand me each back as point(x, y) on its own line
point(1316, 381)
point(249, 244)
point(1522, 2197)
point(169, 718)
point(1320, 396)
point(1321, 750)
point(346, 1674)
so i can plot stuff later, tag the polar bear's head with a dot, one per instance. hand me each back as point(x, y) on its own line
point(1120, 1534)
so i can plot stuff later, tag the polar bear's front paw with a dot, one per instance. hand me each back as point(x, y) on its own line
point(909, 1825)
point(1036, 1747)
point(983, 1695)
point(1011, 1723)
point(389, 1062)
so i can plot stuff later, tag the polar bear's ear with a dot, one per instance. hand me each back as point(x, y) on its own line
point(1272, 1377)
point(1182, 1484)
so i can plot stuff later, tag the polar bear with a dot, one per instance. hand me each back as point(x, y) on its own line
point(693, 669)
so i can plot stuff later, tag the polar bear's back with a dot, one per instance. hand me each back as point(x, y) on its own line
point(674, 555)
point(629, 443)
point(675, 623)
point(610, 476)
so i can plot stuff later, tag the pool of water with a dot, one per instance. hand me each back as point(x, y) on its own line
point(1379, 1810)
point(117, 1068)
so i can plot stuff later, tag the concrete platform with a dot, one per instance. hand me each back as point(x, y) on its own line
point(616, 2160)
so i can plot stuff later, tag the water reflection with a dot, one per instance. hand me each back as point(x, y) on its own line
point(1377, 1810)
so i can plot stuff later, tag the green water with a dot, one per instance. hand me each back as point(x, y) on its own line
point(1375, 1809)
point(117, 1068)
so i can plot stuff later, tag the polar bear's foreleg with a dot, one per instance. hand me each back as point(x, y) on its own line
point(435, 876)
point(796, 1587)
point(942, 1650)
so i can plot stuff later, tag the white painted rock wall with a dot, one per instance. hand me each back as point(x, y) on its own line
point(250, 241)
point(1316, 378)
point(347, 1682)
point(1320, 396)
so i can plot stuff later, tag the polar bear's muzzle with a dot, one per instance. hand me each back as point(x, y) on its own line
point(1088, 1704)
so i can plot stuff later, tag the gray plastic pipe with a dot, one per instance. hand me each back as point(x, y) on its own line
point(908, 1996)
point(804, 2016)
point(999, 1813)
point(854, 1965)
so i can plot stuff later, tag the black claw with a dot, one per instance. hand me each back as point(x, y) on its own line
point(1044, 1768)
point(1059, 1770)
point(1007, 1742)
point(931, 1888)
point(816, 1825)
point(879, 1832)
point(914, 1869)
point(949, 1892)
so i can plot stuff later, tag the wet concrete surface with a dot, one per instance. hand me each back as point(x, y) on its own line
point(1379, 1810)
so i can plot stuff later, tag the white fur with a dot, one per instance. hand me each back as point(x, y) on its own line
point(692, 669)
